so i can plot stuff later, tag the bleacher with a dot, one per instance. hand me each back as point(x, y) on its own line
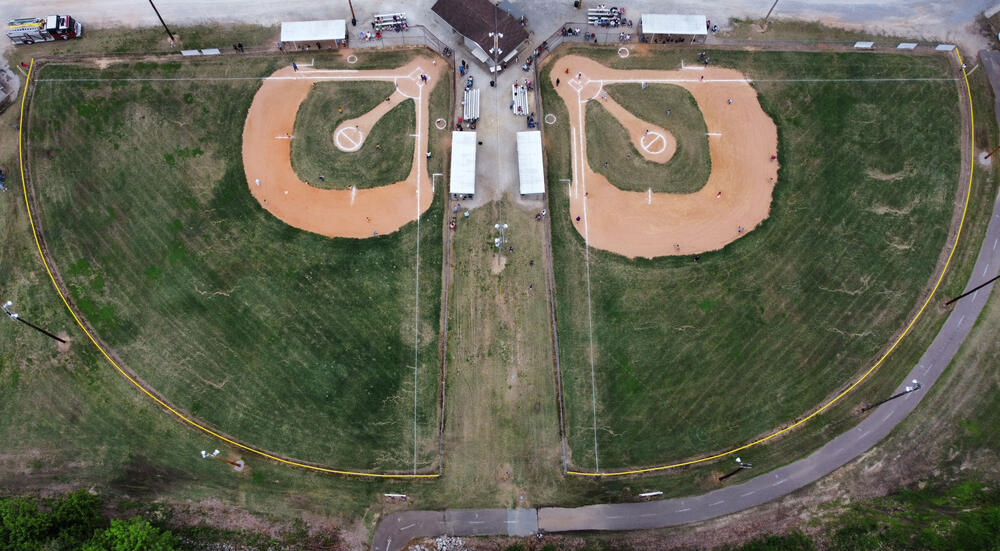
point(605, 16)
point(470, 105)
point(390, 22)
point(519, 95)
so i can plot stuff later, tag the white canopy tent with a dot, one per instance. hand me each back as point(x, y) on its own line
point(463, 163)
point(674, 24)
point(531, 174)
point(313, 31)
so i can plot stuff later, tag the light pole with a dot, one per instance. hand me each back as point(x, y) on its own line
point(915, 386)
point(16, 317)
point(501, 228)
point(237, 465)
point(496, 51)
point(354, 20)
point(742, 465)
point(160, 17)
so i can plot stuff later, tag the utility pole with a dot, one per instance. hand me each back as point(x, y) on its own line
point(907, 390)
point(973, 290)
point(237, 465)
point(766, 17)
point(354, 20)
point(742, 465)
point(16, 317)
point(171, 35)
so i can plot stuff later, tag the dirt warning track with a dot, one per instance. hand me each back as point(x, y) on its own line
point(736, 198)
point(267, 137)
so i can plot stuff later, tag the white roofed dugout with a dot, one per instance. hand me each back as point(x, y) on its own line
point(658, 23)
point(530, 173)
point(463, 163)
point(313, 31)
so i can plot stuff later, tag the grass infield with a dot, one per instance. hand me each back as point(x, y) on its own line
point(695, 357)
point(686, 172)
point(313, 150)
point(286, 340)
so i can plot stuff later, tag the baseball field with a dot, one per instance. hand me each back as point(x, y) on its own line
point(677, 357)
point(322, 350)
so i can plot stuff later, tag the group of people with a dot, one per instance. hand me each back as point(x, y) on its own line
point(614, 18)
point(369, 35)
point(396, 23)
point(625, 37)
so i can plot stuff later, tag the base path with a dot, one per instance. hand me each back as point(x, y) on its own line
point(741, 142)
point(267, 137)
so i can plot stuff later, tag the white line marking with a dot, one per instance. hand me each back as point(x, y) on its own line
point(974, 295)
point(477, 521)
point(407, 527)
point(716, 503)
point(616, 516)
point(312, 75)
point(995, 243)
point(960, 320)
point(748, 493)
point(984, 270)
point(779, 483)
point(682, 510)
point(887, 416)
point(586, 242)
point(648, 515)
point(649, 197)
point(416, 286)
point(863, 434)
point(713, 133)
point(354, 191)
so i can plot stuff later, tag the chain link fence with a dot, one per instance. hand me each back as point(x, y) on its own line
point(415, 35)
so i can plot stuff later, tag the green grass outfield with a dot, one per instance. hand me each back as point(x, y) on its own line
point(695, 357)
point(286, 340)
point(607, 141)
point(313, 150)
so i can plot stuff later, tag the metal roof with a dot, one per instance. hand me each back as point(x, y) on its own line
point(313, 31)
point(531, 174)
point(463, 163)
point(658, 23)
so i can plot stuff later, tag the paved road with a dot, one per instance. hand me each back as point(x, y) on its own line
point(945, 20)
point(391, 535)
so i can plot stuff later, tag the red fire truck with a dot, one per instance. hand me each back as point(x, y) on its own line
point(29, 30)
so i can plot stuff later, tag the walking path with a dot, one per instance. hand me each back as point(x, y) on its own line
point(395, 530)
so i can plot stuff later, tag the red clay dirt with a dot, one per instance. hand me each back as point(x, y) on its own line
point(647, 224)
point(334, 212)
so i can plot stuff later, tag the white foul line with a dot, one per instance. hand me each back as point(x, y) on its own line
point(416, 287)
point(586, 242)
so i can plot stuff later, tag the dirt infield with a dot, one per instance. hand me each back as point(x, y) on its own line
point(330, 212)
point(742, 139)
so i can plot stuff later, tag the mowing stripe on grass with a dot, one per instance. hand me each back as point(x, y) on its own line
point(134, 381)
point(906, 330)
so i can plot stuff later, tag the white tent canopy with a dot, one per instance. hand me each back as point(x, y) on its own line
point(313, 31)
point(658, 23)
point(529, 162)
point(463, 163)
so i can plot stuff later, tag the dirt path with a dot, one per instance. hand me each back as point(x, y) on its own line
point(332, 212)
point(742, 139)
